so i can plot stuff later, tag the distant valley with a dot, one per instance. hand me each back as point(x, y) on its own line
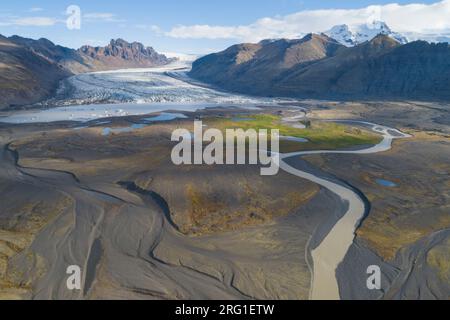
point(31, 69)
point(345, 62)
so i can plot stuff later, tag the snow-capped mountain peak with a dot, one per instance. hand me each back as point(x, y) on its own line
point(357, 34)
point(342, 34)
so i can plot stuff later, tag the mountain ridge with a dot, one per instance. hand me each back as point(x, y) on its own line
point(269, 60)
point(122, 54)
point(381, 68)
point(26, 77)
point(31, 69)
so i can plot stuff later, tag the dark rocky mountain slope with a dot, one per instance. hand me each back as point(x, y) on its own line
point(318, 67)
point(26, 77)
point(121, 54)
point(254, 68)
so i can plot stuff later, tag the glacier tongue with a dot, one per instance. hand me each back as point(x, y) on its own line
point(165, 84)
point(120, 93)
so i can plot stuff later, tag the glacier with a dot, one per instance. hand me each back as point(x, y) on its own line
point(119, 93)
point(167, 84)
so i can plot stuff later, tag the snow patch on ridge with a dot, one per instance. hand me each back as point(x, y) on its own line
point(353, 35)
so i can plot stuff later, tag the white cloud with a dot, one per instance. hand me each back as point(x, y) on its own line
point(36, 9)
point(10, 20)
point(33, 22)
point(148, 27)
point(153, 28)
point(419, 18)
point(102, 16)
point(49, 21)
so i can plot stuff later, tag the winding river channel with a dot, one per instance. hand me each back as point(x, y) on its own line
point(331, 252)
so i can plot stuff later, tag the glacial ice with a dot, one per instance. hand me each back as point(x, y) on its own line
point(120, 93)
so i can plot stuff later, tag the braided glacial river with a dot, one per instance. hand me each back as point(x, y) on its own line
point(331, 252)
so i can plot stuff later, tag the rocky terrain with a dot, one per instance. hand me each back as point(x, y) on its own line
point(319, 67)
point(120, 54)
point(26, 77)
point(255, 67)
point(32, 69)
point(67, 58)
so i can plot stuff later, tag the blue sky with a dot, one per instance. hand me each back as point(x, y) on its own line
point(199, 26)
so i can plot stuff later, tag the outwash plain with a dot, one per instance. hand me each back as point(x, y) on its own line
point(111, 201)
